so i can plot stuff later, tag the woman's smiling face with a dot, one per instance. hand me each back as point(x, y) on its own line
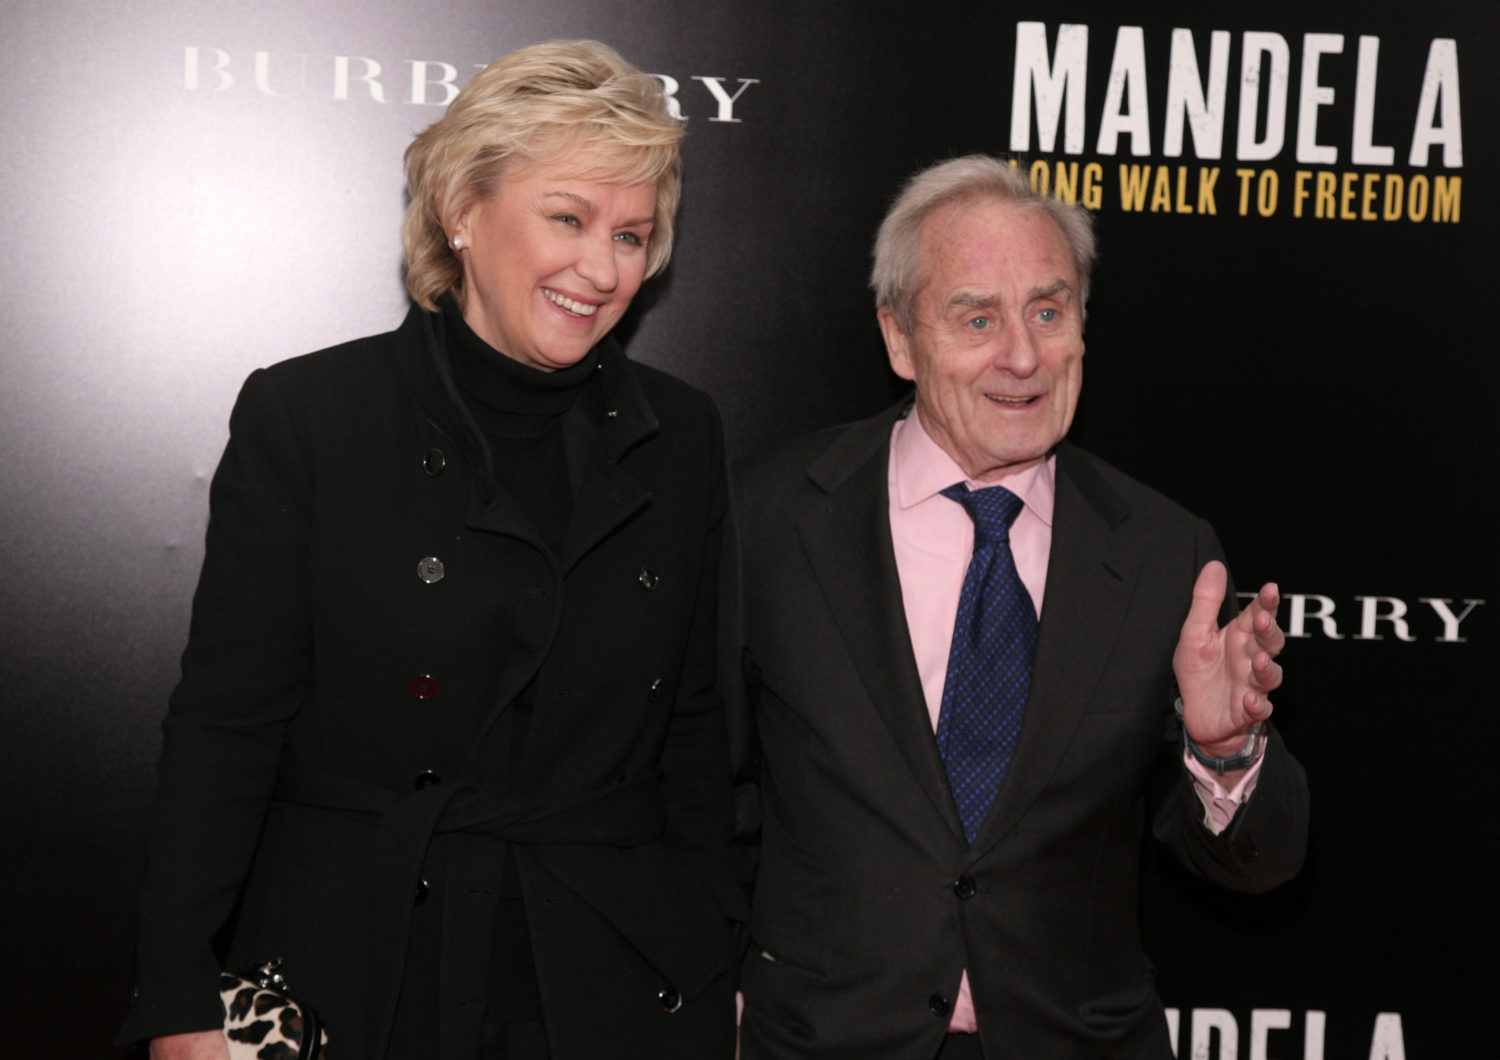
point(551, 262)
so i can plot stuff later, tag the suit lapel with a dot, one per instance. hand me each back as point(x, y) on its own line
point(1091, 575)
point(847, 539)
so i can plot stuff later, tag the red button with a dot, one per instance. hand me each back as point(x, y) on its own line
point(424, 686)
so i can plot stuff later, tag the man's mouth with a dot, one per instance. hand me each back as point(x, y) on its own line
point(1016, 402)
point(576, 308)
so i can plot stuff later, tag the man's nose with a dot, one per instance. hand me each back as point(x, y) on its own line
point(1016, 349)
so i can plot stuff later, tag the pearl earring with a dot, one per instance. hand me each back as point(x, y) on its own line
point(458, 242)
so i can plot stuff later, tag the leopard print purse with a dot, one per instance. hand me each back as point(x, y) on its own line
point(261, 1022)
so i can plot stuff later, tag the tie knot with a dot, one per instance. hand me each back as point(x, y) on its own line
point(993, 509)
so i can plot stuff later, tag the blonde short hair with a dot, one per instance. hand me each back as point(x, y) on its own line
point(538, 105)
point(898, 275)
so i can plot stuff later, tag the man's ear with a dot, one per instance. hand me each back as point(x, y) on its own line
point(897, 348)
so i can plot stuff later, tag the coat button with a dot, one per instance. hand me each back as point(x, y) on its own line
point(434, 462)
point(430, 570)
point(1245, 847)
point(668, 1000)
point(965, 888)
point(422, 892)
point(654, 692)
point(939, 1005)
point(647, 579)
point(425, 779)
point(424, 686)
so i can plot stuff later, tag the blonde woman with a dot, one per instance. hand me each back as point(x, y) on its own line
point(447, 742)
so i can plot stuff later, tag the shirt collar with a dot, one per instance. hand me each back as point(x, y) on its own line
point(920, 469)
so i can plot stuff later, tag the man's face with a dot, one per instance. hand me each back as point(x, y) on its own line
point(997, 349)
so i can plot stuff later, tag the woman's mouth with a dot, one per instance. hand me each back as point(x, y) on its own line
point(570, 305)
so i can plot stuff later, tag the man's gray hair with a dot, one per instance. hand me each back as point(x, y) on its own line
point(897, 277)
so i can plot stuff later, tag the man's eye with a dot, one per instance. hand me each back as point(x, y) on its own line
point(1047, 316)
point(977, 323)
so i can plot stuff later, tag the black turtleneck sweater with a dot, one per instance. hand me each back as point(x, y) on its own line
point(519, 411)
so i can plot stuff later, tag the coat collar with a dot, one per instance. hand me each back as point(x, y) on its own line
point(599, 431)
point(598, 437)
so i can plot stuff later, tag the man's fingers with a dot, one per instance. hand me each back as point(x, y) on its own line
point(1208, 596)
point(1262, 612)
point(1265, 673)
point(1257, 708)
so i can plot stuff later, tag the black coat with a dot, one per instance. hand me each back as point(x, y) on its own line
point(869, 903)
point(337, 756)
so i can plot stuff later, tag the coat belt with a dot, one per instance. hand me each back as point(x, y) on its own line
point(622, 815)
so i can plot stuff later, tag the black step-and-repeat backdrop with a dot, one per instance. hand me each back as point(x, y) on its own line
point(1290, 333)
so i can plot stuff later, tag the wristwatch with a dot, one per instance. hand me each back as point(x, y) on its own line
point(1255, 745)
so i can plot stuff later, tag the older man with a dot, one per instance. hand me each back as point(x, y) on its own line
point(964, 640)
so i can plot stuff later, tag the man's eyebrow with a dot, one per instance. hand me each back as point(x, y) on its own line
point(990, 301)
point(1047, 292)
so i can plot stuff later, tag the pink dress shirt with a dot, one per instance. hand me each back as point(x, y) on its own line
point(934, 539)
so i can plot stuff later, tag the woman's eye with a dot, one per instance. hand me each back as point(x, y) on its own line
point(632, 238)
point(566, 218)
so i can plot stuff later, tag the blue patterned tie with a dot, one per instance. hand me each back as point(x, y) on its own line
point(989, 665)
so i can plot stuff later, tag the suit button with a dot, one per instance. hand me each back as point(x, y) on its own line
point(430, 570)
point(668, 1000)
point(647, 579)
point(424, 686)
point(434, 462)
point(654, 692)
point(422, 892)
point(939, 1005)
point(964, 887)
point(425, 779)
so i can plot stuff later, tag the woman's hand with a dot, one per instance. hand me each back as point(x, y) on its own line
point(197, 1045)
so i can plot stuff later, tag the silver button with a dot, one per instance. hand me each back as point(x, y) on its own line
point(430, 570)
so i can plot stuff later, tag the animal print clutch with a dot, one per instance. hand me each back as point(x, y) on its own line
point(261, 1022)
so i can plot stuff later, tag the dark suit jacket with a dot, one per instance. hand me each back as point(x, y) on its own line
point(338, 756)
point(868, 903)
